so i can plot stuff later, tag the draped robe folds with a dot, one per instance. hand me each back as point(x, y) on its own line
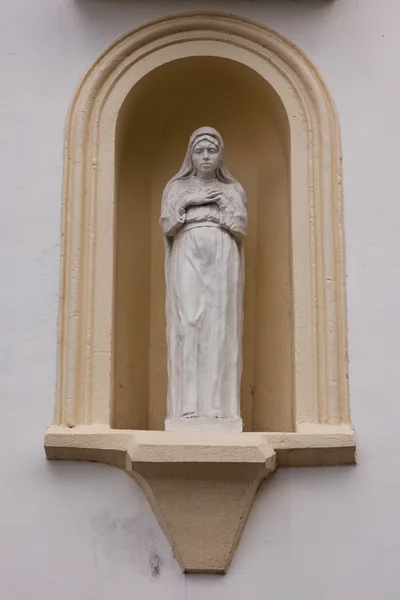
point(204, 298)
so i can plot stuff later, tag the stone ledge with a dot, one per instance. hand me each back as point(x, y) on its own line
point(321, 446)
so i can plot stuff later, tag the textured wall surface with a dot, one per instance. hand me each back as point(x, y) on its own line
point(86, 531)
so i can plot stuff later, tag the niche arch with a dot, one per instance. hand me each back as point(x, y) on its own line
point(316, 371)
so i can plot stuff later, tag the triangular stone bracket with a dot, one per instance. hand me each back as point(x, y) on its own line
point(201, 486)
point(201, 490)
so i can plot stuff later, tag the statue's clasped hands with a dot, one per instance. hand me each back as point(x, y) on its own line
point(215, 195)
point(196, 197)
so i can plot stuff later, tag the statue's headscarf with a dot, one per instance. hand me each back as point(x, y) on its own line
point(187, 169)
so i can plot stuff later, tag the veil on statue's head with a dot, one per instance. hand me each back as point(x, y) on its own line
point(187, 169)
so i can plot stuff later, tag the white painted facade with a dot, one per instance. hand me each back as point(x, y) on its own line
point(86, 531)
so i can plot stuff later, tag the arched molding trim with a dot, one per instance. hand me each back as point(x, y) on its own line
point(321, 389)
point(322, 427)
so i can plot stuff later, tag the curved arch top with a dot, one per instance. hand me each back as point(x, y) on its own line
point(320, 392)
point(230, 29)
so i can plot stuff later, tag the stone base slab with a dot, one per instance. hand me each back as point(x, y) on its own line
point(205, 425)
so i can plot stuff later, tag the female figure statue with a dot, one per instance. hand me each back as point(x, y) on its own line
point(203, 218)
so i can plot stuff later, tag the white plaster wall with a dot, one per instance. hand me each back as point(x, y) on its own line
point(85, 531)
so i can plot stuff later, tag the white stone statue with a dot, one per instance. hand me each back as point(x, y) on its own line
point(204, 219)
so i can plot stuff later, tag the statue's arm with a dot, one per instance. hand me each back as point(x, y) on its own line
point(175, 203)
point(173, 212)
point(233, 213)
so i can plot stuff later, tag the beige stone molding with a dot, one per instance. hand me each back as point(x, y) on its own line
point(324, 447)
point(83, 422)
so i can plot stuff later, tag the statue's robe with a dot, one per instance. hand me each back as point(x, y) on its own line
point(204, 299)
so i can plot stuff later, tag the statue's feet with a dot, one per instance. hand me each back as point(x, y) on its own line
point(190, 415)
point(216, 414)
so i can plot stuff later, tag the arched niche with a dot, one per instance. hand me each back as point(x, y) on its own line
point(127, 130)
point(151, 142)
point(126, 135)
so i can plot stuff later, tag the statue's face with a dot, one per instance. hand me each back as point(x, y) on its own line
point(205, 157)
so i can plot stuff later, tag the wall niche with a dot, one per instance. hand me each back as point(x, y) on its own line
point(128, 127)
point(153, 129)
point(127, 131)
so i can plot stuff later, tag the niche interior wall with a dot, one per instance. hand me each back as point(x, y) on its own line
point(152, 136)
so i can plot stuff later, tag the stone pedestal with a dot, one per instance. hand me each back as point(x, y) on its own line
point(205, 425)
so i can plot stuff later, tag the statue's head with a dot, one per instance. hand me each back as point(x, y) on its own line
point(205, 154)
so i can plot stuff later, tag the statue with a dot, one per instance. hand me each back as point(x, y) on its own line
point(204, 219)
